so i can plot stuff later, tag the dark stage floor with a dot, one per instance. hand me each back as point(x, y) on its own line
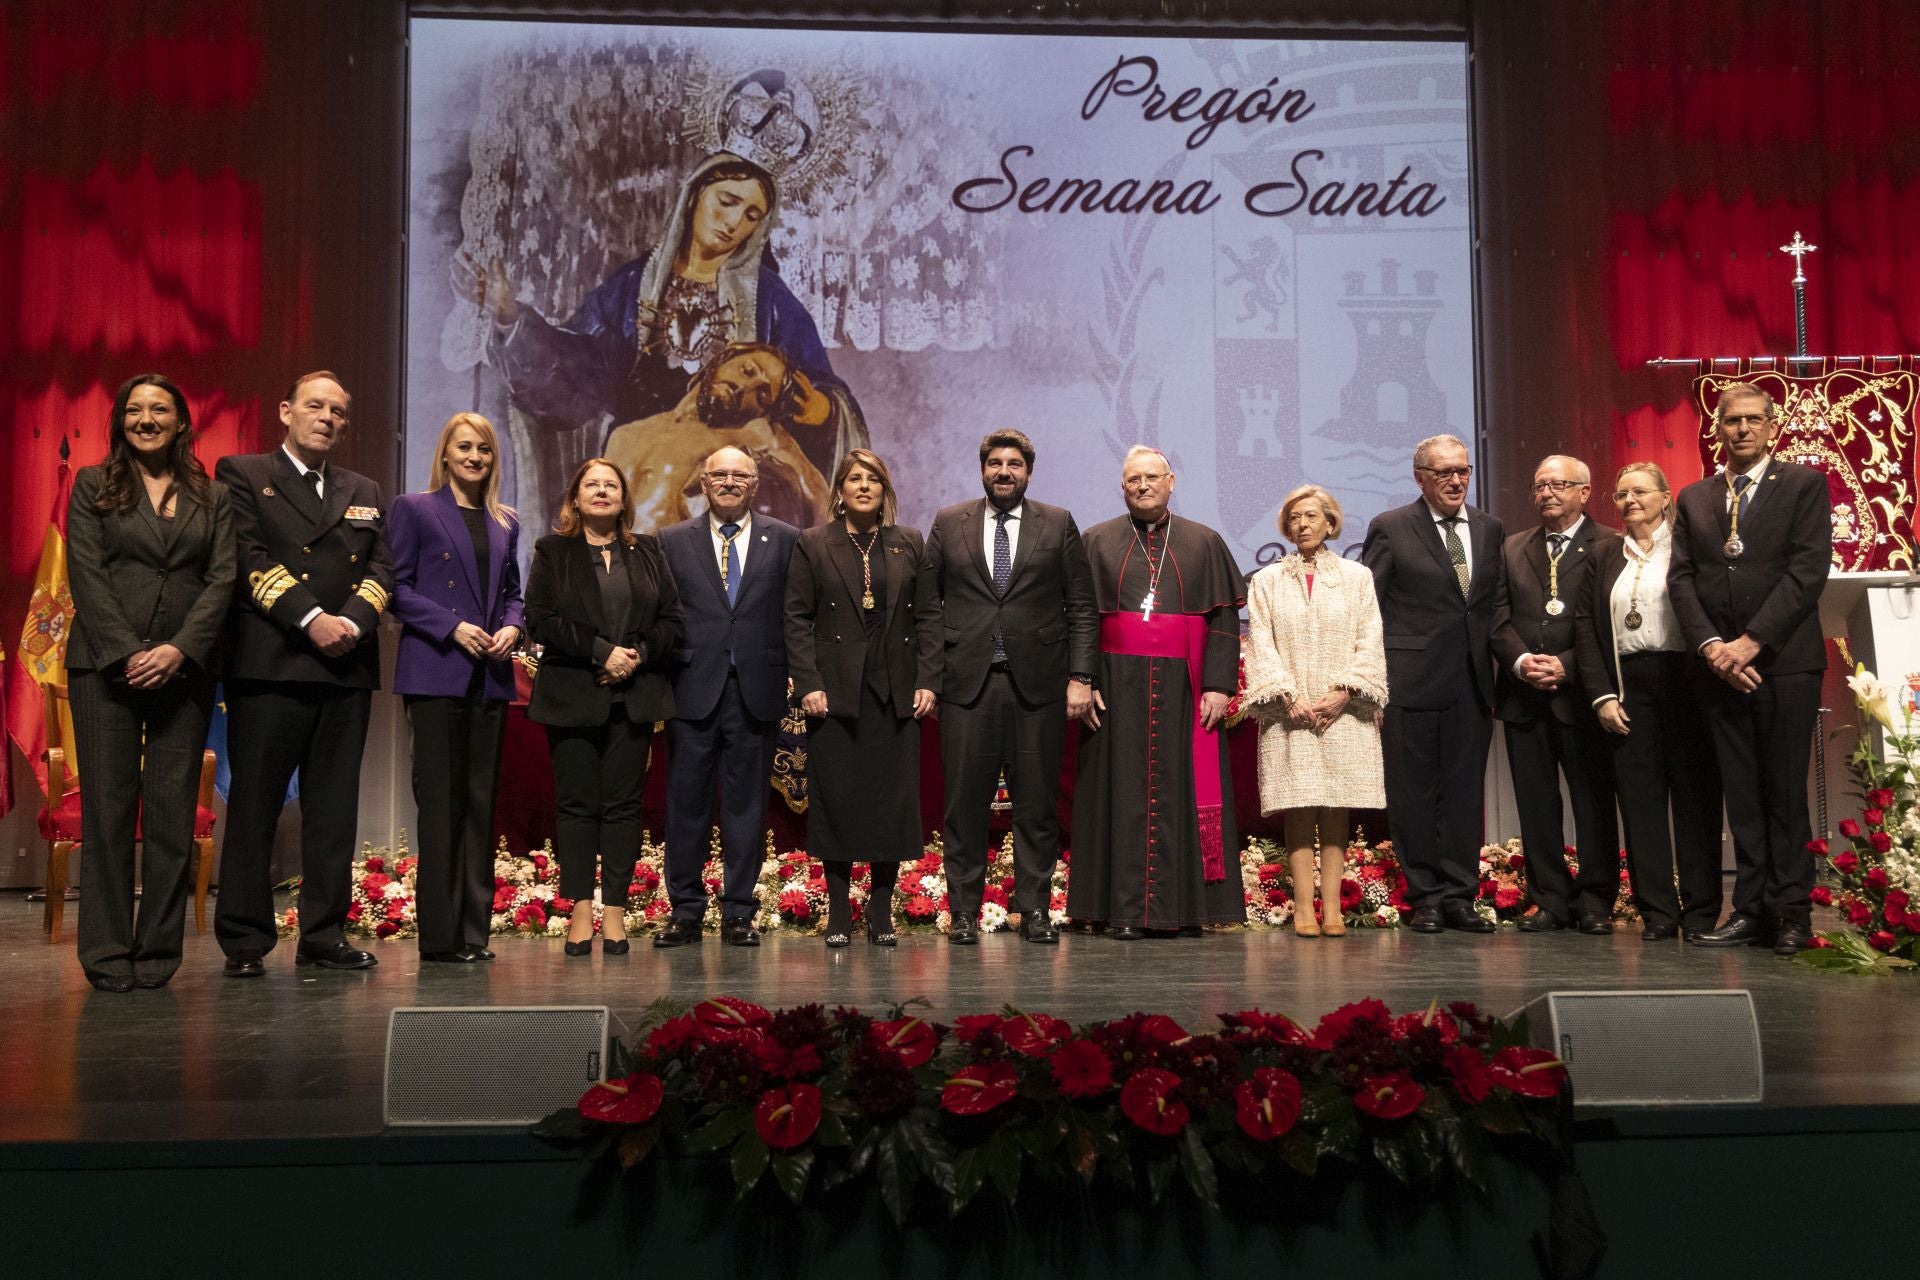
point(299, 1053)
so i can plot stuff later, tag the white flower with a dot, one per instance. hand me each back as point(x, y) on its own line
point(933, 886)
point(993, 916)
point(1870, 695)
point(394, 890)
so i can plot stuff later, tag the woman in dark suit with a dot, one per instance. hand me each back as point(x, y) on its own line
point(603, 607)
point(456, 572)
point(150, 556)
point(1634, 666)
point(865, 672)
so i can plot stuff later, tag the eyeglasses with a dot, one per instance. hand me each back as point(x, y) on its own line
point(732, 477)
point(1447, 473)
point(1556, 486)
point(1745, 420)
point(1621, 495)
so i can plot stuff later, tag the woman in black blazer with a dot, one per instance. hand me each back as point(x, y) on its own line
point(1636, 670)
point(603, 607)
point(150, 557)
point(865, 672)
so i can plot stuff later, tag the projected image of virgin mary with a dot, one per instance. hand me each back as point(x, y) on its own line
point(627, 353)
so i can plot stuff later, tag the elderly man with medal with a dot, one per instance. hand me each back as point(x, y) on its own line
point(1153, 821)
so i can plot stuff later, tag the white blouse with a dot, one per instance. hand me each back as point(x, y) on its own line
point(1643, 585)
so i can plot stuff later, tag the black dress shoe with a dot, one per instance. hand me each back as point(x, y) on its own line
point(479, 953)
point(1426, 920)
point(117, 983)
point(1192, 931)
point(1792, 939)
point(1595, 924)
point(835, 941)
point(963, 932)
point(1659, 933)
point(448, 957)
point(1125, 933)
point(337, 956)
point(1738, 931)
point(739, 933)
point(881, 936)
point(151, 984)
point(584, 947)
point(1035, 927)
point(615, 946)
point(1542, 922)
point(678, 933)
point(244, 964)
point(1463, 918)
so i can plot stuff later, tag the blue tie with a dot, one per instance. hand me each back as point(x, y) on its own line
point(1741, 488)
point(729, 567)
point(1002, 574)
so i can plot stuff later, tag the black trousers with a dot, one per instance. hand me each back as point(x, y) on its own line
point(114, 724)
point(1764, 741)
point(997, 730)
point(730, 750)
point(599, 777)
point(1665, 770)
point(1436, 761)
point(456, 765)
point(1539, 752)
point(274, 728)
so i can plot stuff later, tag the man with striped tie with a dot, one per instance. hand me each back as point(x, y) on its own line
point(1441, 579)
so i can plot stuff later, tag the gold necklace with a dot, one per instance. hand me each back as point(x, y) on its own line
point(866, 564)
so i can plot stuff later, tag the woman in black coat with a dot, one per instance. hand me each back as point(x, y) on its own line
point(866, 665)
point(603, 607)
point(150, 557)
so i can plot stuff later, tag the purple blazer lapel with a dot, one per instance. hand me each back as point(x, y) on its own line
point(454, 528)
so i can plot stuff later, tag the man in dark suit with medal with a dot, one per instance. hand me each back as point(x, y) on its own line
point(1550, 728)
point(1752, 547)
point(1021, 638)
point(729, 694)
point(315, 578)
point(1441, 579)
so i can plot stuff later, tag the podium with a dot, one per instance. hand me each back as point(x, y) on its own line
point(1877, 614)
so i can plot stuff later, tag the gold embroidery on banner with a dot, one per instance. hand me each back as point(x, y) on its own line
point(373, 593)
point(269, 585)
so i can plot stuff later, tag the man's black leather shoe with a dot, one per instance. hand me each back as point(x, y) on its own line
point(1463, 918)
point(449, 957)
point(1595, 924)
point(1035, 927)
point(1542, 922)
point(479, 953)
point(337, 956)
point(1426, 920)
point(118, 983)
point(739, 933)
point(1792, 939)
point(1659, 933)
point(1738, 931)
point(1125, 933)
point(678, 933)
point(963, 932)
point(1192, 931)
point(244, 964)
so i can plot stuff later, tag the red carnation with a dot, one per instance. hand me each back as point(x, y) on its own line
point(539, 862)
point(794, 904)
point(673, 1036)
point(1506, 898)
point(1081, 1069)
point(376, 863)
point(355, 910)
point(1881, 940)
point(1350, 894)
point(1389, 1096)
point(1034, 1034)
point(375, 883)
point(1874, 817)
point(1531, 1073)
point(562, 907)
point(913, 1040)
point(1267, 1106)
point(978, 1089)
point(1472, 1078)
point(1147, 1100)
point(1880, 798)
point(786, 1115)
point(723, 1018)
point(969, 1027)
point(396, 909)
point(1876, 878)
point(634, 1100)
point(1344, 1019)
point(1822, 896)
point(1881, 842)
point(1488, 888)
point(1846, 862)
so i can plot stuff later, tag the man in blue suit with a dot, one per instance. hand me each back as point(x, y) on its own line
point(729, 691)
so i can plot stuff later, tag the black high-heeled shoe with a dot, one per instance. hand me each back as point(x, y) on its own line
point(838, 940)
point(887, 939)
point(613, 946)
point(582, 948)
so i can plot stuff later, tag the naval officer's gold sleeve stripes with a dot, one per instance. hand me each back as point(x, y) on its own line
point(269, 585)
point(373, 593)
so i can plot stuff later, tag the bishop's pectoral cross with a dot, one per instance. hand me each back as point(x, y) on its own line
point(1146, 606)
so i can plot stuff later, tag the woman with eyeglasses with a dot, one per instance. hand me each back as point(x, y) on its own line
point(1633, 663)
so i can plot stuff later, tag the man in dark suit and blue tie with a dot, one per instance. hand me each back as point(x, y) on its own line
point(1438, 570)
point(729, 692)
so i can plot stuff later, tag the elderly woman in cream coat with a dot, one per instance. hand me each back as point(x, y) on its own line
point(1317, 681)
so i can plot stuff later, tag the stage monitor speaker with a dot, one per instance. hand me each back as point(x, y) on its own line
point(492, 1065)
point(1652, 1048)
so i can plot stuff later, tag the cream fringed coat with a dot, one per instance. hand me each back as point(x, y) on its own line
point(1301, 646)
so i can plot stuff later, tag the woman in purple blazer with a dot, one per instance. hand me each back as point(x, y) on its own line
point(457, 595)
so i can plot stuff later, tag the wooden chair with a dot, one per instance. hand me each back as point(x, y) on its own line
point(60, 818)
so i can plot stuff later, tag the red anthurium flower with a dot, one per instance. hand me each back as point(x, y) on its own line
point(1531, 1073)
point(1880, 797)
point(913, 1039)
point(1846, 862)
point(1271, 1028)
point(786, 1115)
point(1147, 1100)
point(1034, 1034)
point(1267, 1106)
point(1389, 1096)
point(1408, 1023)
point(978, 1089)
point(730, 1018)
point(1159, 1027)
point(633, 1100)
point(1081, 1069)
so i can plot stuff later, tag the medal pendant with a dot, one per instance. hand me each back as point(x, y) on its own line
point(866, 601)
point(1734, 547)
point(1556, 607)
point(1633, 619)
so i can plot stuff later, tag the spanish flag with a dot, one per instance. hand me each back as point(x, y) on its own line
point(41, 657)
